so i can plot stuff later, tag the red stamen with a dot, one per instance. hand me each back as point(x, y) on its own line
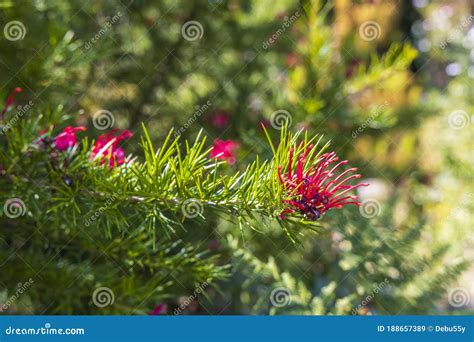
point(336, 187)
point(10, 99)
point(349, 189)
point(314, 189)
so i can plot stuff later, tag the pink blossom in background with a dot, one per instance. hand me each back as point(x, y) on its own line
point(303, 125)
point(352, 67)
point(214, 245)
point(291, 59)
point(67, 138)
point(10, 99)
point(160, 309)
point(225, 149)
point(107, 147)
point(220, 119)
point(264, 123)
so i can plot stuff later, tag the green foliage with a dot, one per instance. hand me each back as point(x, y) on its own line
point(362, 268)
point(397, 59)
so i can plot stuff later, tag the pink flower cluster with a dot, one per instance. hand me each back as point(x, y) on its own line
point(225, 150)
point(220, 119)
point(67, 138)
point(106, 148)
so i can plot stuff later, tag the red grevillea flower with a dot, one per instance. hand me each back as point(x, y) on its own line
point(67, 138)
point(291, 59)
point(316, 189)
point(159, 309)
point(352, 67)
point(225, 149)
point(220, 119)
point(107, 147)
point(9, 100)
point(263, 124)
